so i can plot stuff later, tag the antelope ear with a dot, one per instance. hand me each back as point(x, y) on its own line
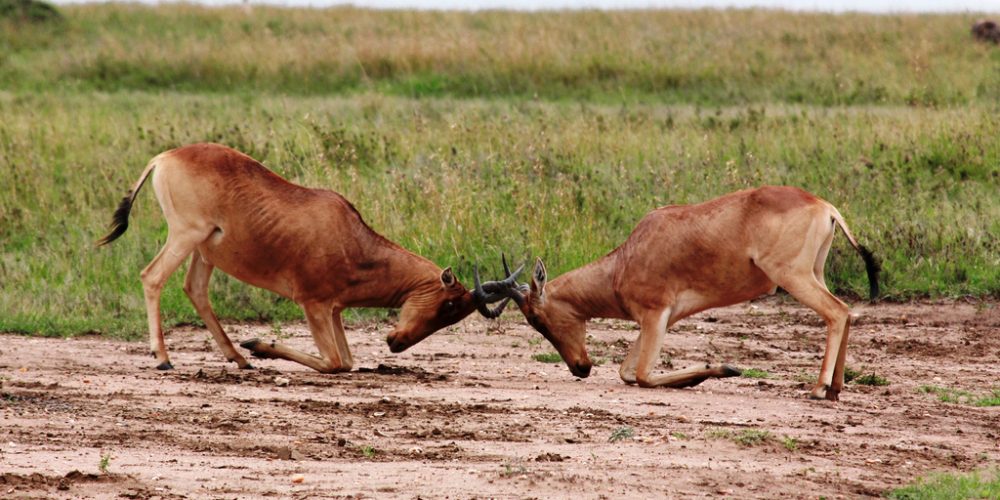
point(448, 278)
point(538, 279)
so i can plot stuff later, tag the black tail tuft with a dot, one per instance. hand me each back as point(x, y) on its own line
point(119, 222)
point(872, 267)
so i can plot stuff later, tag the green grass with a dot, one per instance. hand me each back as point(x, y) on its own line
point(949, 395)
point(461, 181)
point(870, 379)
point(984, 484)
point(730, 57)
point(621, 434)
point(790, 443)
point(104, 463)
point(547, 357)
point(850, 374)
point(528, 137)
point(746, 437)
point(755, 373)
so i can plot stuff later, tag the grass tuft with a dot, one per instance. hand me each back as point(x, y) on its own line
point(870, 379)
point(755, 373)
point(949, 395)
point(621, 433)
point(746, 437)
point(547, 357)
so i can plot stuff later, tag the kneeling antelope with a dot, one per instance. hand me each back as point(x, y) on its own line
point(680, 260)
point(226, 210)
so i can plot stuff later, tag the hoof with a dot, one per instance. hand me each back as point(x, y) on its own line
point(250, 344)
point(730, 371)
point(254, 345)
point(248, 366)
point(165, 366)
point(822, 392)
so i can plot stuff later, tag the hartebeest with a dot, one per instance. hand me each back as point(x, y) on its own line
point(680, 260)
point(226, 210)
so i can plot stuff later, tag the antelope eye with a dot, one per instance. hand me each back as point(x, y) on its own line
point(449, 304)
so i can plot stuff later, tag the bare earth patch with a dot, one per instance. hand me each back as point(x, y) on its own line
point(468, 412)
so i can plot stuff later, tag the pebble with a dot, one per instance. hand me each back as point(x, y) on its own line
point(298, 478)
point(281, 381)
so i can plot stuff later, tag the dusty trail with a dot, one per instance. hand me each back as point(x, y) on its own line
point(469, 413)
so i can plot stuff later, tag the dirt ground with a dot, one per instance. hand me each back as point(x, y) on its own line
point(469, 413)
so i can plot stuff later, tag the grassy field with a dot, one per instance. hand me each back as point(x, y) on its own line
point(463, 135)
point(707, 57)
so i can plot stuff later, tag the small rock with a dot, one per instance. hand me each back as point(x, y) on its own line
point(283, 453)
point(281, 381)
point(298, 478)
point(550, 457)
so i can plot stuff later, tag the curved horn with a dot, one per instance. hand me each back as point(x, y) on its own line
point(507, 289)
point(486, 293)
point(482, 298)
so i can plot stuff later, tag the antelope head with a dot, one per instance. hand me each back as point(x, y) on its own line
point(551, 316)
point(444, 303)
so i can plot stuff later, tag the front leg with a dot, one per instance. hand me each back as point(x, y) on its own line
point(651, 337)
point(321, 325)
point(629, 364)
point(652, 332)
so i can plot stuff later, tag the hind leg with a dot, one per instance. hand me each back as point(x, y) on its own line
point(835, 313)
point(196, 288)
point(179, 245)
point(824, 250)
point(818, 267)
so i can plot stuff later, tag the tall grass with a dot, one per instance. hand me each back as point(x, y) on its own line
point(462, 180)
point(702, 56)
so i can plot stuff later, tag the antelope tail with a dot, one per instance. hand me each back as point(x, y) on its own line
point(119, 222)
point(872, 266)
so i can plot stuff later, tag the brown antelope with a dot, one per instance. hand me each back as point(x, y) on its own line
point(680, 260)
point(226, 210)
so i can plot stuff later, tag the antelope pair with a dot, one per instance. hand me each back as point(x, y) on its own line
point(226, 210)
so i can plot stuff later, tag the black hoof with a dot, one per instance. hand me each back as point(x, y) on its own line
point(248, 366)
point(254, 346)
point(730, 371)
point(165, 366)
point(250, 344)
